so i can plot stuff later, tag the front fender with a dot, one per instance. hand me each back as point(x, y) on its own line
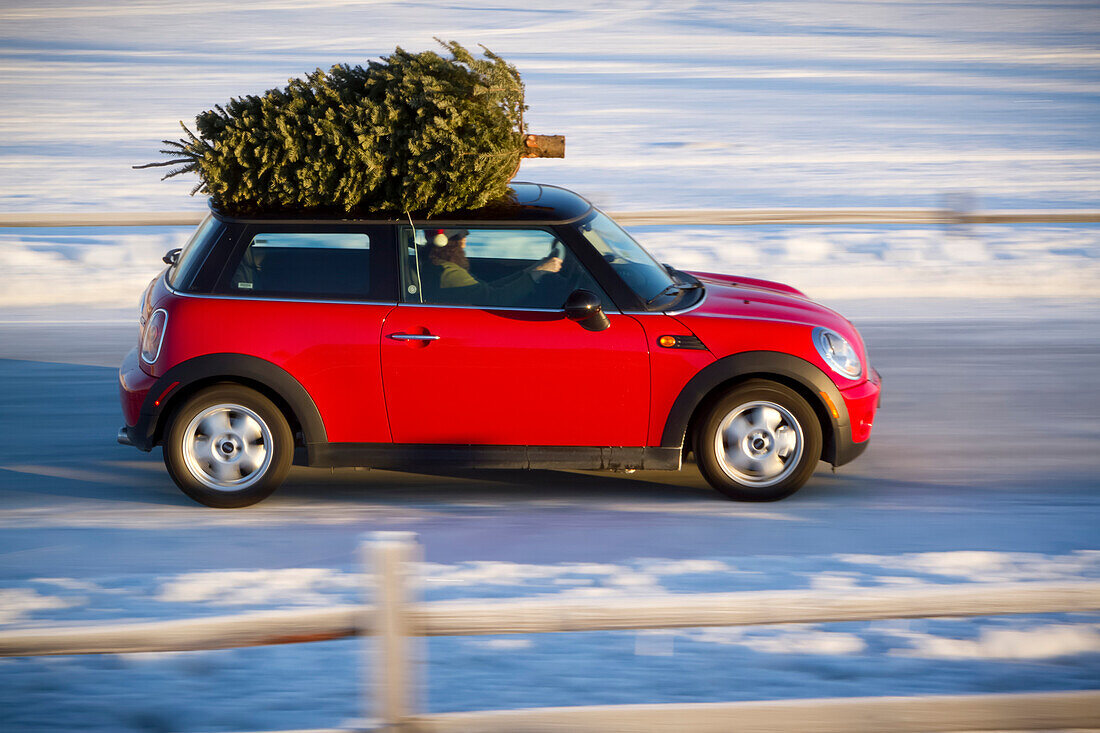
point(797, 373)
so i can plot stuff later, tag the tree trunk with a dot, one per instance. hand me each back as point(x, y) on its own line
point(545, 146)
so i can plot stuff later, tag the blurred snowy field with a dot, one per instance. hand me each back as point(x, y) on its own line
point(664, 104)
point(109, 268)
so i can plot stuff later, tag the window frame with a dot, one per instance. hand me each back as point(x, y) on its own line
point(624, 298)
point(381, 288)
point(555, 232)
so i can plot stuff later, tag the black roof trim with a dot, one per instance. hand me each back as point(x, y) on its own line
point(527, 202)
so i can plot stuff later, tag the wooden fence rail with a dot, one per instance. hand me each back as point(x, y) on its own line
point(1029, 711)
point(390, 558)
point(540, 615)
point(681, 217)
point(214, 632)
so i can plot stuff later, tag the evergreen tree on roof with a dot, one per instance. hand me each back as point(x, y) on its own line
point(413, 132)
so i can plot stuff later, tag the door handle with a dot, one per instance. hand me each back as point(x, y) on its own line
point(414, 337)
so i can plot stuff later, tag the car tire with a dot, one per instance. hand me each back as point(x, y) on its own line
point(761, 441)
point(228, 446)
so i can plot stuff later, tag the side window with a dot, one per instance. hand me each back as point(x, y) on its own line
point(316, 264)
point(194, 252)
point(501, 268)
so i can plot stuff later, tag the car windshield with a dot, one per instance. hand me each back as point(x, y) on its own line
point(648, 279)
point(191, 255)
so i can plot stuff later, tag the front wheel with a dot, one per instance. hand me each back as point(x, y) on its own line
point(759, 442)
point(228, 446)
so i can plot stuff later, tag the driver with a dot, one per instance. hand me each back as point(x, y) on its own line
point(457, 284)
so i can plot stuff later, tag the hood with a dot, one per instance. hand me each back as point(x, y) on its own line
point(744, 297)
point(747, 282)
point(735, 306)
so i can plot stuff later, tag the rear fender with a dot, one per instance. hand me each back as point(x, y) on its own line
point(194, 374)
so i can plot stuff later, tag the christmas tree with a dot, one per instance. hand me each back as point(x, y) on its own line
point(414, 132)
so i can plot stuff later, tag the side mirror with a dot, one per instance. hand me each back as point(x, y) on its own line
point(583, 306)
point(172, 256)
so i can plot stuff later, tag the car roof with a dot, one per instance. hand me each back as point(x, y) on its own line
point(527, 202)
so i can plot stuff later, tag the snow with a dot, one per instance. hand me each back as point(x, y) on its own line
point(83, 267)
point(296, 586)
point(499, 644)
point(110, 268)
point(771, 104)
point(790, 640)
point(1045, 641)
point(834, 581)
point(17, 604)
point(987, 567)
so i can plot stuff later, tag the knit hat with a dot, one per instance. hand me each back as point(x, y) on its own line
point(440, 237)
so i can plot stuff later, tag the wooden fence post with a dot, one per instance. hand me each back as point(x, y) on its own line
point(389, 557)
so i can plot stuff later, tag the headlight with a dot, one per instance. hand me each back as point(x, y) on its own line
point(153, 335)
point(837, 353)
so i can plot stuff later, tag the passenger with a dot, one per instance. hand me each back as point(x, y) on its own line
point(457, 284)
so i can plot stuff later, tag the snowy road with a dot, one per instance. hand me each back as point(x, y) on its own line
point(984, 466)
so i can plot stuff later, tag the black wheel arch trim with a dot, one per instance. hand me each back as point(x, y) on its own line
point(798, 373)
point(210, 368)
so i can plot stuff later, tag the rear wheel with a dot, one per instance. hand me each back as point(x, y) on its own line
point(228, 446)
point(760, 442)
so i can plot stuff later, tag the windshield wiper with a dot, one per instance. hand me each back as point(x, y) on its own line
point(674, 289)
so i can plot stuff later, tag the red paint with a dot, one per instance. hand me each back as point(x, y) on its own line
point(862, 401)
point(671, 368)
point(494, 376)
point(330, 348)
point(735, 318)
point(514, 378)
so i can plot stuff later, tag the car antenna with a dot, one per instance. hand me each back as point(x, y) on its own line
point(416, 255)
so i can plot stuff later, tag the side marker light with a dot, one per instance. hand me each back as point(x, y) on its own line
point(164, 394)
point(830, 405)
point(669, 341)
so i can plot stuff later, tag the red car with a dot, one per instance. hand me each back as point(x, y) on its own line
point(532, 334)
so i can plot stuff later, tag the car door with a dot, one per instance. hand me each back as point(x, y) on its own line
point(498, 363)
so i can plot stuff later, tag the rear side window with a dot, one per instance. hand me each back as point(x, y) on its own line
point(314, 264)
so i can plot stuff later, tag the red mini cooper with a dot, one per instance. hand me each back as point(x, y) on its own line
point(534, 333)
